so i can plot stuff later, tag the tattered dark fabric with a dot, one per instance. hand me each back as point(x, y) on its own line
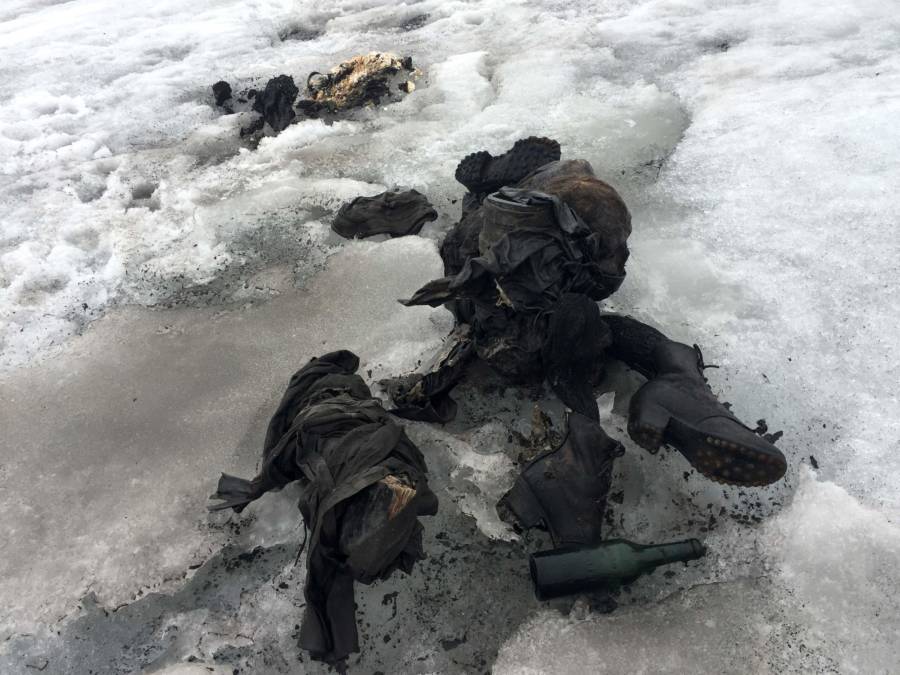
point(573, 352)
point(425, 397)
point(395, 213)
point(460, 244)
point(532, 258)
point(332, 436)
point(276, 102)
point(534, 249)
point(222, 92)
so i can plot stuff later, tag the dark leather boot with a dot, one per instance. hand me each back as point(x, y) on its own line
point(677, 407)
point(564, 491)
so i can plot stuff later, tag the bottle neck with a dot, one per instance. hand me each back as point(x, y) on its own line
point(678, 551)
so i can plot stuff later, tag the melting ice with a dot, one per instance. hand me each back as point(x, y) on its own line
point(159, 282)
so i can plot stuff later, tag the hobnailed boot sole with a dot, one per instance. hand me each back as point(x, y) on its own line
point(482, 172)
point(719, 459)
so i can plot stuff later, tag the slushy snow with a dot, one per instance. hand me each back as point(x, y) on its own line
point(159, 283)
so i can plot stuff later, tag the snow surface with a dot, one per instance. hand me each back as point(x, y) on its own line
point(159, 282)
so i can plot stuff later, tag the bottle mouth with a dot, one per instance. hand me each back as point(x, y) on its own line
point(532, 568)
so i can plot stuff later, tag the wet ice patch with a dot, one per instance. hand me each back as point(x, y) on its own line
point(837, 559)
point(194, 669)
point(161, 238)
point(480, 471)
point(671, 278)
point(746, 139)
point(659, 639)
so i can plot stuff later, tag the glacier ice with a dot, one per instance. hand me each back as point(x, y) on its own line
point(158, 281)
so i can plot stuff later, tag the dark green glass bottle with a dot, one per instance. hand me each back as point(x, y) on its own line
point(606, 566)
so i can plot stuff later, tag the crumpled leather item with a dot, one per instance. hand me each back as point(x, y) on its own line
point(397, 214)
point(332, 436)
point(564, 490)
point(527, 262)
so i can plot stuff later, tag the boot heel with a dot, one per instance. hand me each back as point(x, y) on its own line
point(647, 423)
point(522, 505)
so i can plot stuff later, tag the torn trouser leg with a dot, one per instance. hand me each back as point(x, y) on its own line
point(364, 487)
point(426, 396)
point(677, 407)
point(573, 352)
point(633, 343)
